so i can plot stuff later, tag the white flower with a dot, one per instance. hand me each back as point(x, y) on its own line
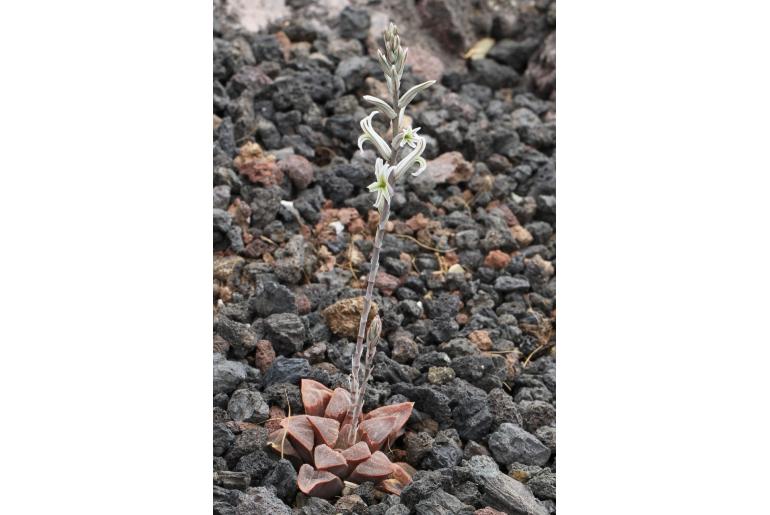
point(409, 137)
point(382, 185)
point(413, 157)
point(371, 135)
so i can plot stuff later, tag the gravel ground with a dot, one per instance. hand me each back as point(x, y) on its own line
point(467, 282)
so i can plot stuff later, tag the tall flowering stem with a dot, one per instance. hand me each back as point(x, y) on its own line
point(388, 171)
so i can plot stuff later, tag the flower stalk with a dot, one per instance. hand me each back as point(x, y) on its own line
point(388, 170)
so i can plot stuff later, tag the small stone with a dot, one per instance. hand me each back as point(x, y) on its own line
point(287, 370)
point(473, 448)
point(481, 340)
point(257, 166)
point(271, 297)
point(264, 355)
point(468, 239)
point(247, 406)
point(508, 284)
point(344, 316)
point(440, 375)
point(445, 452)
point(540, 231)
point(223, 439)
point(386, 283)
point(299, 170)
point(246, 442)
point(349, 504)
point(522, 236)
point(286, 332)
point(514, 53)
point(315, 353)
point(511, 444)
point(403, 347)
point(543, 485)
point(497, 259)
point(232, 480)
point(284, 479)
point(354, 23)
point(523, 473)
point(503, 408)
point(440, 503)
point(241, 337)
point(221, 345)
point(221, 196)
point(547, 435)
point(500, 491)
point(227, 374)
point(456, 269)
point(537, 414)
point(261, 500)
point(417, 447)
point(450, 167)
point(488, 511)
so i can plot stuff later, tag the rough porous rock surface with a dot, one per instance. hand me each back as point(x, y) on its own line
point(467, 282)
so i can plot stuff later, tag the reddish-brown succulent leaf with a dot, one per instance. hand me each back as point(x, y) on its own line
point(376, 468)
point(280, 444)
point(345, 438)
point(402, 472)
point(318, 483)
point(302, 435)
point(339, 405)
point(391, 486)
point(326, 429)
point(402, 411)
point(315, 397)
point(376, 431)
point(330, 460)
point(356, 454)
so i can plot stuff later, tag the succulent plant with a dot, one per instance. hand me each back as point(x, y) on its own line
point(334, 440)
point(321, 443)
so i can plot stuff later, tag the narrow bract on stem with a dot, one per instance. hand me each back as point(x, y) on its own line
point(388, 171)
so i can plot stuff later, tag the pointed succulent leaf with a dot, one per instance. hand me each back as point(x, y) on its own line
point(326, 429)
point(403, 472)
point(376, 431)
point(356, 454)
point(280, 443)
point(412, 92)
point(318, 483)
point(391, 486)
point(376, 468)
point(326, 458)
point(339, 405)
point(382, 105)
point(402, 411)
point(301, 434)
point(315, 397)
point(346, 437)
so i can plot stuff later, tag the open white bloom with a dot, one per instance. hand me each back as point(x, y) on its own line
point(382, 185)
point(371, 135)
point(409, 137)
point(411, 158)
